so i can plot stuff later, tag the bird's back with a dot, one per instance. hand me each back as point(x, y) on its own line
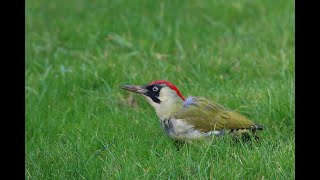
point(205, 116)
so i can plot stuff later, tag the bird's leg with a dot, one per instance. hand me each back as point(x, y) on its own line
point(178, 144)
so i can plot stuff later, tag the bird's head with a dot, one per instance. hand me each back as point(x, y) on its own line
point(164, 96)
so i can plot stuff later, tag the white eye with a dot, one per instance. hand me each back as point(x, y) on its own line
point(155, 89)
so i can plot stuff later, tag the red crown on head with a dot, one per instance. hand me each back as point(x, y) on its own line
point(170, 85)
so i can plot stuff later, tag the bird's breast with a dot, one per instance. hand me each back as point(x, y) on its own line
point(167, 125)
point(180, 130)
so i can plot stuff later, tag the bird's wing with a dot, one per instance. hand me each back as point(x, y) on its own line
point(206, 115)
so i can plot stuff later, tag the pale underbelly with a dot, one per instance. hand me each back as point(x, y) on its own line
point(177, 129)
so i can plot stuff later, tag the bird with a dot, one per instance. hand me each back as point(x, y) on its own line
point(192, 118)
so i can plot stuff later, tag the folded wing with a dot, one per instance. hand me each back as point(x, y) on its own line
point(206, 115)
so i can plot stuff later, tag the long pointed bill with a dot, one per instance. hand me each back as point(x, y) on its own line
point(134, 88)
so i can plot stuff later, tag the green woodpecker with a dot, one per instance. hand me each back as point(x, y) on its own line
point(192, 118)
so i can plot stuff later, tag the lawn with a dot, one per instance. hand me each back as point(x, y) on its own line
point(81, 125)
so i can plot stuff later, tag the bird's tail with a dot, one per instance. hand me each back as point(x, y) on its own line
point(256, 127)
point(247, 134)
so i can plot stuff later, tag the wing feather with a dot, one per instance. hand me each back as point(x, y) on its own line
point(206, 115)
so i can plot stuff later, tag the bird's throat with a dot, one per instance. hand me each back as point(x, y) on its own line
point(166, 109)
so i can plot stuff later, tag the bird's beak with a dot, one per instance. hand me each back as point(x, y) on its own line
point(134, 88)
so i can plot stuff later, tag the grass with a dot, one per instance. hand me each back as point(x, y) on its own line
point(81, 125)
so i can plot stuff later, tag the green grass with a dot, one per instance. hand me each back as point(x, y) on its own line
point(81, 125)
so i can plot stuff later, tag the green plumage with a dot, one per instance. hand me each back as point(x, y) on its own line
point(194, 117)
point(206, 115)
